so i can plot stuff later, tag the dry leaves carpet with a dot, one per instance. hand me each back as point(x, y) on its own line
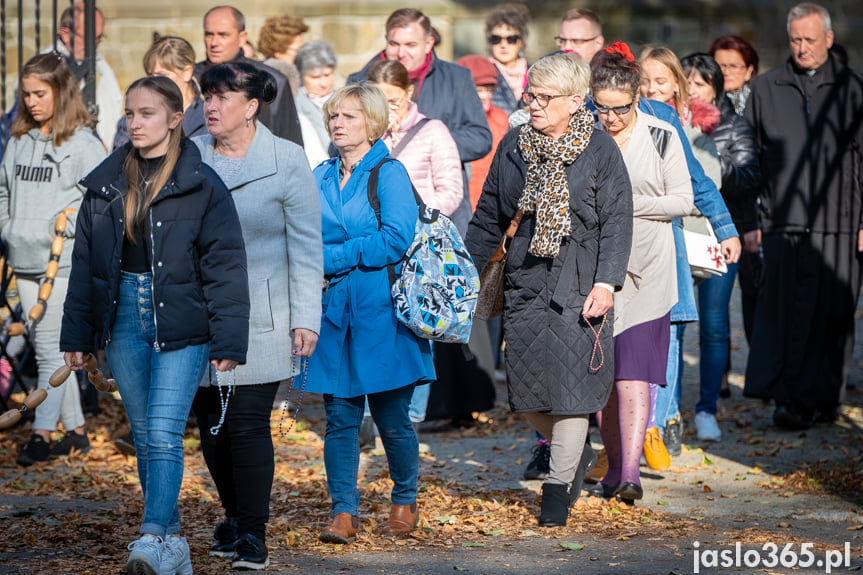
point(95, 503)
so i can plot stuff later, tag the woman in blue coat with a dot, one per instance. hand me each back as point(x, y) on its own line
point(364, 352)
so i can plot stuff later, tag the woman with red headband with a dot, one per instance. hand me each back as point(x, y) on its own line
point(661, 191)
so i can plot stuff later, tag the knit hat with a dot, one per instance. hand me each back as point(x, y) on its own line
point(484, 73)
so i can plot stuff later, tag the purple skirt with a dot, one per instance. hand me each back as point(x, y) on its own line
point(641, 352)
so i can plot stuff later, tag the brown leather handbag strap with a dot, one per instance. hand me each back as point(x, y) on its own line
point(500, 252)
point(513, 225)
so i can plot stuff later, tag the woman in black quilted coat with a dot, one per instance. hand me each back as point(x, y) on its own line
point(566, 260)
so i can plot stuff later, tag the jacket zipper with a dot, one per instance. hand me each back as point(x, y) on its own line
point(153, 280)
point(114, 310)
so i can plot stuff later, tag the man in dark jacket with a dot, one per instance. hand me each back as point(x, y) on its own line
point(444, 91)
point(807, 117)
point(224, 38)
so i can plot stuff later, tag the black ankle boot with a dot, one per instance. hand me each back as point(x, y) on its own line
point(555, 505)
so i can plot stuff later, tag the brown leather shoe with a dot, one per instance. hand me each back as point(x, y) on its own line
point(342, 530)
point(403, 519)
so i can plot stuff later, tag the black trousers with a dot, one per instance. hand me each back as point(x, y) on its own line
point(803, 337)
point(749, 276)
point(240, 457)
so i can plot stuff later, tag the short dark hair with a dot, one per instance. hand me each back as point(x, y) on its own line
point(613, 71)
point(239, 19)
point(404, 17)
point(739, 45)
point(256, 84)
point(707, 67)
point(516, 16)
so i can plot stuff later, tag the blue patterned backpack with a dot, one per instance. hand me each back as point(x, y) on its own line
point(435, 293)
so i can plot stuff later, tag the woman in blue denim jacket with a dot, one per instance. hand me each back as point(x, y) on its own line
point(709, 202)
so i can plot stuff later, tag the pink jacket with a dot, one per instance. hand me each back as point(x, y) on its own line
point(432, 161)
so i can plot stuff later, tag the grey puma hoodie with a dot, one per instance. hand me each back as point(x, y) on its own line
point(37, 182)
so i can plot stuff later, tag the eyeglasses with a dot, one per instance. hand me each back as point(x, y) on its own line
point(619, 110)
point(542, 99)
point(511, 40)
point(561, 41)
point(732, 67)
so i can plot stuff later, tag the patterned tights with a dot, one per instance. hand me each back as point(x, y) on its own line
point(623, 424)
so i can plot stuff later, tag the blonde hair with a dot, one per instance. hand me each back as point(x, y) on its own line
point(173, 52)
point(372, 103)
point(568, 73)
point(670, 60)
point(69, 109)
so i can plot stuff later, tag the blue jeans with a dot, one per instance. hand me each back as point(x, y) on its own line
point(157, 388)
point(668, 397)
point(342, 446)
point(714, 296)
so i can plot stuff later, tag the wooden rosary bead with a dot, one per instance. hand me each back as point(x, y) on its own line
point(10, 418)
point(35, 398)
point(60, 224)
point(96, 378)
point(102, 384)
point(51, 270)
point(90, 363)
point(45, 290)
point(60, 375)
point(36, 311)
point(13, 416)
point(57, 246)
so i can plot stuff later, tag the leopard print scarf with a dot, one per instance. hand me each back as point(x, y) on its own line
point(546, 191)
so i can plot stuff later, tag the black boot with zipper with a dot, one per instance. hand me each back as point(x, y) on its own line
point(555, 505)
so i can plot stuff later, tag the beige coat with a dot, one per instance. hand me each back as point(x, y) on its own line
point(661, 191)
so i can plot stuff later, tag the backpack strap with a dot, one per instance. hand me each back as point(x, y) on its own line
point(409, 135)
point(374, 201)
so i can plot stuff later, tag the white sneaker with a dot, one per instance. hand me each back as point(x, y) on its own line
point(708, 429)
point(146, 555)
point(175, 557)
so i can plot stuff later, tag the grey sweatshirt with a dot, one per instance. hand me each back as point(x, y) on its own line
point(37, 182)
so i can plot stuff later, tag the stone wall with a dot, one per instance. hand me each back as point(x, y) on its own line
point(355, 28)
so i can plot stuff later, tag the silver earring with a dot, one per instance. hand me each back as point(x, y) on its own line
point(248, 122)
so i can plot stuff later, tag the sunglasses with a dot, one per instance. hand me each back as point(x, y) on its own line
point(511, 40)
point(619, 110)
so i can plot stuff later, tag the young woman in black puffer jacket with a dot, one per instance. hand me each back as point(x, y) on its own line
point(159, 280)
point(741, 177)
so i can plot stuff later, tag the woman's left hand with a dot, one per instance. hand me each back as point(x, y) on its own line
point(305, 341)
point(731, 249)
point(598, 302)
point(224, 364)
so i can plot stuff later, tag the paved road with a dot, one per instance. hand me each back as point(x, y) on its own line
point(724, 493)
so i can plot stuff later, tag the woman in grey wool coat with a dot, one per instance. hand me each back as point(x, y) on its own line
point(280, 213)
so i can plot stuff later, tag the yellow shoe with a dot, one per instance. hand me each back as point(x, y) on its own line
point(654, 450)
point(600, 468)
